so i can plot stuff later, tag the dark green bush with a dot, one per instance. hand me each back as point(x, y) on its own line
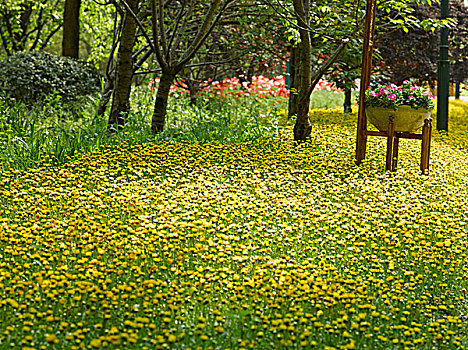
point(32, 77)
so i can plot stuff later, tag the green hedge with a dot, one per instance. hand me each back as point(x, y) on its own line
point(32, 77)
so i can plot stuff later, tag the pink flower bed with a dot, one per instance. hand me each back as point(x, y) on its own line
point(260, 87)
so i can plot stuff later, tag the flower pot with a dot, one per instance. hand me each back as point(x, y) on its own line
point(406, 119)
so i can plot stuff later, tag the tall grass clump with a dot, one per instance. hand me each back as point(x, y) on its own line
point(56, 132)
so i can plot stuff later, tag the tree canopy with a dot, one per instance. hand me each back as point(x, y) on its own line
point(414, 52)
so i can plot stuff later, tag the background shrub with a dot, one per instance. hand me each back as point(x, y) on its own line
point(36, 76)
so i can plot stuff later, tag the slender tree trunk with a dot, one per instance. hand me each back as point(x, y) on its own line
point(193, 98)
point(242, 77)
point(305, 81)
point(303, 128)
point(293, 73)
point(4, 42)
point(457, 90)
point(124, 70)
point(20, 38)
point(71, 28)
point(193, 92)
point(160, 106)
point(347, 100)
point(105, 97)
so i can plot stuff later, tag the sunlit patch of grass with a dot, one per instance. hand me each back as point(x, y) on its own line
point(330, 99)
point(257, 244)
point(458, 125)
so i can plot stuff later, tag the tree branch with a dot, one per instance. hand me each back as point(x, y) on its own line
point(39, 27)
point(140, 25)
point(4, 43)
point(143, 58)
point(205, 29)
point(201, 64)
point(51, 34)
point(177, 22)
point(181, 31)
point(159, 56)
point(115, 40)
point(339, 50)
point(162, 30)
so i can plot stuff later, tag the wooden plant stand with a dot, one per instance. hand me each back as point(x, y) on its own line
point(393, 138)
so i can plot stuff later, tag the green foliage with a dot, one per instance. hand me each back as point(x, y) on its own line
point(31, 77)
point(347, 68)
point(96, 23)
point(61, 132)
point(27, 25)
point(225, 120)
point(28, 135)
point(414, 53)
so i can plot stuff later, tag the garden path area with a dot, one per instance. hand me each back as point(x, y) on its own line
point(247, 245)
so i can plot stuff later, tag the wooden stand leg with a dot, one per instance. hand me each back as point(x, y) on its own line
point(395, 154)
point(426, 146)
point(361, 146)
point(429, 136)
point(390, 137)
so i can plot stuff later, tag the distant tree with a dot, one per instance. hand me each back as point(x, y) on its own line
point(124, 66)
point(27, 25)
point(414, 52)
point(346, 70)
point(251, 44)
point(327, 27)
point(323, 31)
point(174, 32)
point(459, 43)
point(179, 31)
point(71, 29)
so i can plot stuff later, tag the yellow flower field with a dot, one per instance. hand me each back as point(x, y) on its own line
point(258, 245)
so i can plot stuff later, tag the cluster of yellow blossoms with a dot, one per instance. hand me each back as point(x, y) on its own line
point(258, 245)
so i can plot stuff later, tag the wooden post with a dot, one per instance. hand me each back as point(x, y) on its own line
point(367, 48)
point(390, 137)
point(395, 153)
point(426, 146)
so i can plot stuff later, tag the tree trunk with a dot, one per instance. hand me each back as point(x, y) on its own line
point(347, 100)
point(124, 70)
point(193, 92)
point(160, 106)
point(105, 97)
point(71, 28)
point(302, 128)
point(293, 73)
point(457, 90)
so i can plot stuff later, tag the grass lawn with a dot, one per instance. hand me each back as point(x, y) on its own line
point(246, 245)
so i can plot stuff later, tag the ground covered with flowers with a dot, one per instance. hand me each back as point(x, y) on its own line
point(258, 245)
